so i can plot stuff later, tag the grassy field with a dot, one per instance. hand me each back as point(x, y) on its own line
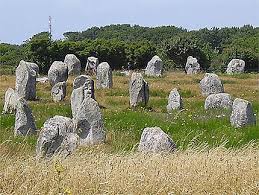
point(212, 156)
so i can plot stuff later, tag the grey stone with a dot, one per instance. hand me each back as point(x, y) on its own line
point(52, 135)
point(83, 80)
point(138, 90)
point(68, 145)
point(211, 84)
point(88, 123)
point(58, 72)
point(154, 67)
point(58, 91)
point(24, 120)
point(242, 113)
point(219, 100)
point(10, 103)
point(192, 66)
point(25, 84)
point(83, 87)
point(175, 101)
point(154, 139)
point(103, 76)
point(91, 65)
point(42, 79)
point(73, 64)
point(236, 66)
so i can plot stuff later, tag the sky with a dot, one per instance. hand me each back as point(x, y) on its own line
point(21, 19)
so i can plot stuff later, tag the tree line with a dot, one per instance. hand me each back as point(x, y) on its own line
point(123, 44)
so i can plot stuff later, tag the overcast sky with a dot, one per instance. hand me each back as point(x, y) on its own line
point(20, 19)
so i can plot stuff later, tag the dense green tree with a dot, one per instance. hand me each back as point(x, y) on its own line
point(123, 44)
point(179, 48)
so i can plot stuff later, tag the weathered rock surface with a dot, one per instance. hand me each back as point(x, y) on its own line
point(42, 79)
point(192, 66)
point(34, 67)
point(154, 67)
point(88, 123)
point(58, 91)
point(219, 100)
point(83, 80)
point(138, 90)
point(154, 139)
point(24, 120)
point(53, 135)
point(83, 87)
point(73, 64)
point(211, 84)
point(68, 145)
point(236, 66)
point(242, 113)
point(10, 103)
point(25, 84)
point(58, 72)
point(91, 65)
point(103, 76)
point(175, 101)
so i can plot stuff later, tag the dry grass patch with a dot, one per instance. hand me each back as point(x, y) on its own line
point(193, 171)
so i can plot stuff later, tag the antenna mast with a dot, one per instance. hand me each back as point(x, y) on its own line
point(50, 28)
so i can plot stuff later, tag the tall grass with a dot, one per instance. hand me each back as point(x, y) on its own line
point(197, 170)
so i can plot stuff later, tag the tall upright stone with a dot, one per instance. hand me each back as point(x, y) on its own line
point(211, 84)
point(83, 87)
point(88, 123)
point(236, 66)
point(58, 72)
point(154, 67)
point(10, 103)
point(73, 64)
point(242, 113)
point(103, 76)
point(175, 101)
point(58, 91)
point(192, 66)
point(91, 65)
point(25, 84)
point(154, 139)
point(24, 120)
point(138, 90)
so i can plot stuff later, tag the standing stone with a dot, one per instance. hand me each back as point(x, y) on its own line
point(154, 139)
point(25, 84)
point(219, 100)
point(175, 101)
point(154, 67)
point(242, 113)
point(58, 91)
point(73, 64)
point(211, 84)
point(236, 66)
point(103, 76)
point(83, 87)
point(52, 135)
point(24, 120)
point(10, 103)
point(138, 90)
point(192, 66)
point(88, 123)
point(58, 72)
point(91, 65)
